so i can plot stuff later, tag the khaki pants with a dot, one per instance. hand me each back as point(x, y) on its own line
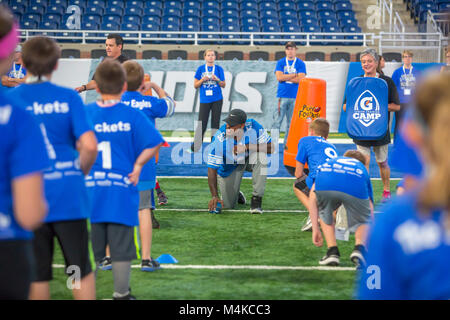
point(229, 186)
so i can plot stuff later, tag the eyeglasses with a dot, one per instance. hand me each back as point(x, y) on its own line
point(407, 56)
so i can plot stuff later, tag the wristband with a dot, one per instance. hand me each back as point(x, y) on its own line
point(84, 87)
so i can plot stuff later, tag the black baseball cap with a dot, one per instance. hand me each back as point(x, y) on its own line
point(290, 44)
point(235, 117)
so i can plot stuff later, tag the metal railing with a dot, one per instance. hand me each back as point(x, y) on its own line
point(438, 22)
point(395, 22)
point(196, 38)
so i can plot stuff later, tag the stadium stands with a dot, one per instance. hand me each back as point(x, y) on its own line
point(152, 54)
point(314, 56)
point(70, 53)
point(259, 55)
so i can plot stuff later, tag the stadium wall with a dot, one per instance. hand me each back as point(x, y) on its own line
point(251, 86)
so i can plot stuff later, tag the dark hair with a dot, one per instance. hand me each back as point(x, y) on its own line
point(40, 55)
point(134, 73)
point(6, 20)
point(110, 77)
point(117, 37)
point(378, 66)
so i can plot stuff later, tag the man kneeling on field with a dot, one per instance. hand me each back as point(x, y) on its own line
point(342, 180)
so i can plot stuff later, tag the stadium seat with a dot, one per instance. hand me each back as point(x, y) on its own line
point(80, 3)
point(213, 21)
point(32, 17)
point(211, 4)
point(191, 4)
point(114, 10)
point(134, 3)
point(134, 10)
point(392, 57)
point(112, 18)
point(170, 28)
point(173, 4)
point(52, 18)
point(93, 18)
point(210, 13)
point(94, 10)
point(343, 6)
point(132, 19)
point(348, 22)
point(70, 53)
point(233, 55)
point(151, 19)
point(230, 28)
point(191, 12)
point(249, 5)
point(131, 54)
point(314, 56)
point(231, 21)
point(325, 14)
point(324, 5)
point(269, 14)
point(115, 3)
point(129, 27)
point(190, 20)
point(259, 55)
point(289, 22)
point(152, 54)
point(249, 13)
point(280, 55)
point(177, 55)
point(56, 9)
point(98, 53)
point(346, 14)
point(268, 5)
point(37, 2)
point(157, 4)
point(96, 3)
point(340, 56)
point(230, 5)
point(110, 26)
point(230, 13)
point(63, 3)
point(286, 4)
point(288, 13)
point(156, 12)
point(329, 22)
point(39, 9)
point(174, 20)
point(250, 21)
point(270, 22)
point(306, 5)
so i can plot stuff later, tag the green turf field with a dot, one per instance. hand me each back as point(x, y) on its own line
point(233, 238)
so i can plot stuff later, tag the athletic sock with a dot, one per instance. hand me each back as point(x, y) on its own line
point(121, 275)
point(157, 187)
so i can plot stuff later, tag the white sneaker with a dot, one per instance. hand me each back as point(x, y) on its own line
point(308, 225)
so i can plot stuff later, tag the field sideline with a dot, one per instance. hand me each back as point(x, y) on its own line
point(234, 255)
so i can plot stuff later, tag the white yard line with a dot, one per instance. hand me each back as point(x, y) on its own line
point(223, 267)
point(230, 210)
point(278, 178)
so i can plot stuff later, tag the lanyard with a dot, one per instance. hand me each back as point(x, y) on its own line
point(206, 69)
point(17, 73)
point(410, 70)
point(293, 63)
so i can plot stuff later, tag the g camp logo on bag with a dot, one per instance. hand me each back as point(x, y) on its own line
point(367, 109)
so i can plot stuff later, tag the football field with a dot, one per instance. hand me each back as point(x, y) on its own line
point(234, 255)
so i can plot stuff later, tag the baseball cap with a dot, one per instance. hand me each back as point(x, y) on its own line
point(235, 117)
point(290, 44)
point(18, 48)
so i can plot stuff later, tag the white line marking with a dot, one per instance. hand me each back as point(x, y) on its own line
point(223, 267)
point(270, 178)
point(230, 210)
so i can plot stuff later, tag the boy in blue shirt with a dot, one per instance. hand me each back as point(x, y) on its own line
point(239, 145)
point(22, 162)
point(313, 151)
point(127, 141)
point(289, 71)
point(341, 181)
point(153, 108)
point(62, 118)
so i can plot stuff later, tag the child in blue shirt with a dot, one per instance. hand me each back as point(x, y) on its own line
point(62, 118)
point(153, 108)
point(313, 151)
point(127, 141)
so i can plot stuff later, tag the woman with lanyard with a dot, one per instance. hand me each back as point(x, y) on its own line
point(409, 244)
point(405, 79)
point(210, 78)
point(16, 75)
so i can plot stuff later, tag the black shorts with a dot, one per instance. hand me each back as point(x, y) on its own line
point(300, 184)
point(73, 237)
point(16, 269)
point(119, 237)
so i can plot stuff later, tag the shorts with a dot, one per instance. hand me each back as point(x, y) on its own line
point(146, 199)
point(16, 269)
point(358, 210)
point(301, 185)
point(381, 152)
point(73, 237)
point(119, 237)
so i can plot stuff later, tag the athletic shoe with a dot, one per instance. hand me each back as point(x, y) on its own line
point(150, 265)
point(241, 198)
point(307, 226)
point(127, 297)
point(105, 264)
point(331, 258)
point(155, 223)
point(256, 205)
point(386, 196)
point(162, 198)
point(357, 256)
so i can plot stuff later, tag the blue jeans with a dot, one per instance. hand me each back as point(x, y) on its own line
point(286, 109)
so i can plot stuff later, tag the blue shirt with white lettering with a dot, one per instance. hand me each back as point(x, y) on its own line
point(346, 175)
point(17, 71)
point(405, 80)
point(287, 89)
point(123, 133)
point(314, 151)
point(22, 152)
point(210, 90)
point(408, 254)
point(221, 156)
point(153, 108)
point(62, 118)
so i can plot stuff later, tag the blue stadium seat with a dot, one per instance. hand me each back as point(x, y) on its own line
point(289, 22)
point(134, 3)
point(149, 27)
point(173, 4)
point(231, 21)
point(151, 20)
point(32, 17)
point(249, 5)
point(157, 4)
point(332, 29)
point(191, 4)
point(89, 26)
point(344, 14)
point(63, 3)
point(190, 20)
point(56, 9)
point(229, 37)
point(211, 4)
point(80, 3)
point(305, 14)
point(353, 37)
point(324, 5)
point(94, 10)
point(48, 25)
point(348, 22)
point(269, 14)
point(29, 24)
point(114, 10)
point(110, 26)
point(40, 9)
point(210, 13)
point(135, 10)
point(291, 28)
point(286, 4)
point(211, 21)
point(174, 20)
point(251, 28)
point(171, 11)
point(270, 22)
point(37, 2)
point(329, 22)
point(268, 5)
point(153, 12)
point(115, 3)
point(343, 6)
point(230, 13)
point(250, 21)
point(206, 38)
point(96, 3)
point(309, 22)
point(230, 4)
point(132, 19)
point(306, 5)
point(325, 14)
point(112, 18)
point(287, 13)
point(193, 27)
point(52, 18)
point(444, 7)
point(269, 37)
point(249, 13)
point(191, 12)
point(92, 18)
point(129, 27)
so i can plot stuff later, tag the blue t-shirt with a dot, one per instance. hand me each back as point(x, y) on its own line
point(122, 134)
point(22, 152)
point(210, 90)
point(153, 108)
point(17, 71)
point(405, 80)
point(346, 175)
point(408, 254)
point(62, 118)
point(287, 89)
point(221, 156)
point(314, 151)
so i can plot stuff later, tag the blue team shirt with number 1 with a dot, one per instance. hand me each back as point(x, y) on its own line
point(122, 134)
